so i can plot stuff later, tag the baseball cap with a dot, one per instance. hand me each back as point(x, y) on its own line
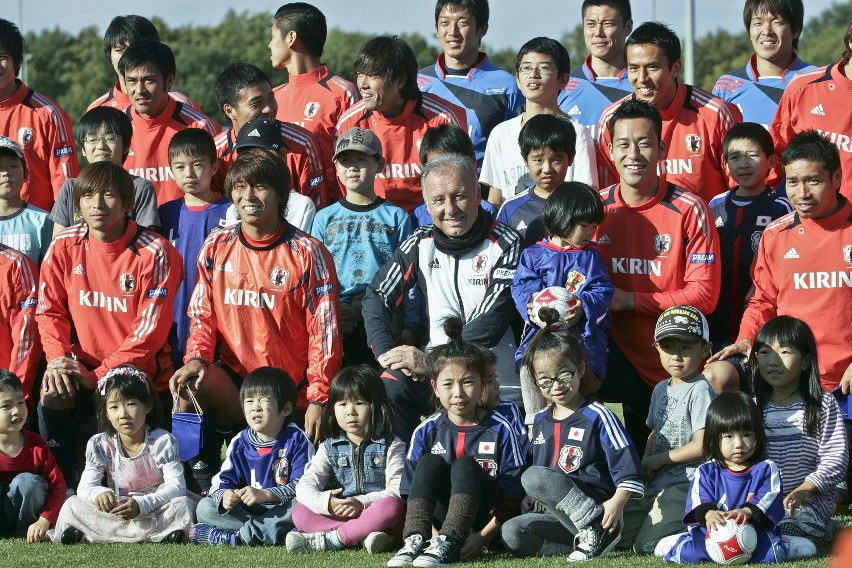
point(358, 140)
point(259, 133)
point(682, 322)
point(12, 146)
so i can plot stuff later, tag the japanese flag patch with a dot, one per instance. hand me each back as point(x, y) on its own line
point(576, 434)
point(486, 448)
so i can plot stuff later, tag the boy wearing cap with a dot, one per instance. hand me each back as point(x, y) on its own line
point(267, 134)
point(361, 231)
point(22, 226)
point(676, 418)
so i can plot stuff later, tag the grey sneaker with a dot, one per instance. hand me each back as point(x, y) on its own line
point(378, 542)
point(592, 542)
point(412, 546)
point(798, 547)
point(301, 543)
point(440, 551)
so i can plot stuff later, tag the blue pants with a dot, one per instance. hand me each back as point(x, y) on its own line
point(268, 523)
point(21, 502)
point(690, 548)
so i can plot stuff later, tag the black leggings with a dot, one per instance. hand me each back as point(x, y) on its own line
point(436, 481)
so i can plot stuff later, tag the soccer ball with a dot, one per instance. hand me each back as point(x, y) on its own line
point(555, 297)
point(731, 543)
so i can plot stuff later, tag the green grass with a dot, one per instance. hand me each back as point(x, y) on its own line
point(14, 552)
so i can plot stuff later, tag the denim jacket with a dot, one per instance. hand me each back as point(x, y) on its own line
point(357, 470)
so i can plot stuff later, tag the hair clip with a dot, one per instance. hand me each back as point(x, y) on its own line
point(128, 370)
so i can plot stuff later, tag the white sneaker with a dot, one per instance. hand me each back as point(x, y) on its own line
point(411, 549)
point(300, 543)
point(665, 544)
point(798, 547)
point(378, 542)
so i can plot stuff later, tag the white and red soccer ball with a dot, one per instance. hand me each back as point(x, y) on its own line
point(731, 543)
point(556, 297)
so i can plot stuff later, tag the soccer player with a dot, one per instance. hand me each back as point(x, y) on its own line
point(20, 349)
point(36, 123)
point(121, 32)
point(465, 76)
point(774, 27)
point(106, 297)
point(662, 249)
point(602, 78)
point(803, 262)
point(243, 93)
point(313, 97)
point(397, 113)
point(819, 100)
point(266, 295)
point(694, 121)
point(541, 71)
point(148, 68)
point(104, 133)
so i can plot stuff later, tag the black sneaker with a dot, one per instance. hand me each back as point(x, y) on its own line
point(438, 552)
point(593, 541)
point(175, 537)
point(412, 546)
point(71, 535)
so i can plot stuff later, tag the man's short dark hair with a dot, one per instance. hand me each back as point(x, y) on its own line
point(12, 42)
point(112, 120)
point(102, 176)
point(193, 142)
point(124, 30)
point(546, 46)
point(258, 166)
point(446, 139)
point(810, 145)
point(548, 131)
point(148, 53)
point(791, 10)
point(753, 132)
point(390, 58)
point(632, 108)
point(620, 6)
point(571, 203)
point(657, 34)
point(308, 23)
point(477, 8)
point(236, 77)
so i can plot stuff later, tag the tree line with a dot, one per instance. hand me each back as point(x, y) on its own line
point(73, 70)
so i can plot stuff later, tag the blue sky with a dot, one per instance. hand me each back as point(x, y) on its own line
point(510, 26)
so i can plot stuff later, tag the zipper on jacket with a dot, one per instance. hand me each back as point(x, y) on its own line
point(458, 292)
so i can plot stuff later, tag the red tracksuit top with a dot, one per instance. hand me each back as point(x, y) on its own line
point(149, 148)
point(694, 127)
point(401, 136)
point(667, 251)
point(304, 159)
point(803, 269)
point(120, 297)
point(820, 99)
point(43, 130)
point(315, 101)
point(19, 344)
point(272, 303)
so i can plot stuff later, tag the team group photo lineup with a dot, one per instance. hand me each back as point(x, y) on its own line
point(546, 305)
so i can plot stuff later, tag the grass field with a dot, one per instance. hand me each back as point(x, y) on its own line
point(15, 552)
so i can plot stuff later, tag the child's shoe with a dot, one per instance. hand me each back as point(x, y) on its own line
point(208, 534)
point(71, 535)
point(377, 542)
point(665, 544)
point(175, 537)
point(798, 547)
point(300, 543)
point(593, 541)
point(412, 546)
point(441, 550)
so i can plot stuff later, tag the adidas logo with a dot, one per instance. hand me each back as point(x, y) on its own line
point(791, 253)
point(254, 133)
point(818, 110)
point(521, 226)
point(438, 449)
point(52, 443)
point(539, 439)
point(434, 263)
point(719, 222)
point(199, 465)
point(575, 110)
point(79, 269)
point(605, 240)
